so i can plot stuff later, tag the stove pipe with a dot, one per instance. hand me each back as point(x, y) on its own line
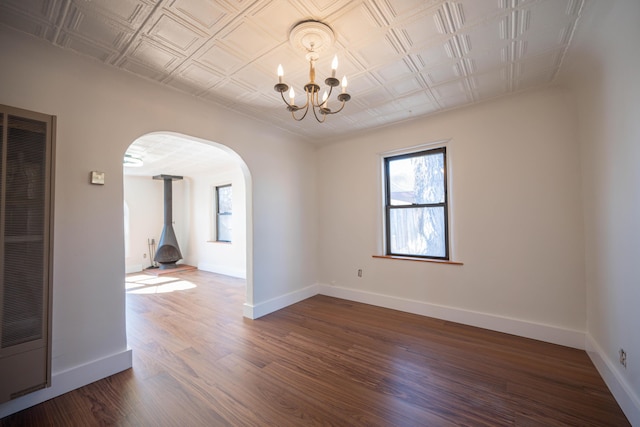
point(168, 252)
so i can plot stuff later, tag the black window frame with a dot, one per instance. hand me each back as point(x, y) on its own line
point(388, 207)
point(219, 214)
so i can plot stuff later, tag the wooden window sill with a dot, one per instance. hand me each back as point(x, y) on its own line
point(408, 258)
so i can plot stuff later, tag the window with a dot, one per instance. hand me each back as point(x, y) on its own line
point(416, 204)
point(223, 213)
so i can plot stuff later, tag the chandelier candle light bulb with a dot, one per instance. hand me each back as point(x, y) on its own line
point(313, 37)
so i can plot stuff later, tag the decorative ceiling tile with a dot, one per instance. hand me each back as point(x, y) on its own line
point(490, 85)
point(386, 112)
point(533, 81)
point(362, 83)
point(383, 52)
point(549, 61)
point(170, 30)
point(250, 76)
point(204, 13)
point(130, 11)
point(514, 24)
point(404, 87)
point(97, 29)
point(363, 115)
point(200, 75)
point(372, 98)
point(394, 71)
point(477, 12)
point(18, 21)
point(45, 10)
point(88, 48)
point(419, 32)
point(408, 9)
point(550, 25)
point(278, 17)
point(220, 58)
point(418, 56)
point(442, 73)
point(248, 40)
point(143, 70)
point(260, 100)
point(457, 46)
point(449, 17)
point(184, 85)
point(430, 56)
point(156, 55)
point(456, 92)
point(532, 77)
point(357, 26)
point(515, 50)
point(418, 103)
point(231, 89)
point(296, 67)
point(319, 8)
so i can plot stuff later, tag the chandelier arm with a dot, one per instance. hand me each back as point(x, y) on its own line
point(306, 105)
point(338, 110)
point(313, 97)
point(330, 91)
point(318, 102)
point(324, 116)
point(284, 100)
point(303, 116)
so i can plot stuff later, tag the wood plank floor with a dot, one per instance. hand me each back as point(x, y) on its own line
point(323, 361)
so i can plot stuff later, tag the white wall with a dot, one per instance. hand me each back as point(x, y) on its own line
point(603, 73)
point(205, 253)
point(100, 111)
point(517, 219)
point(144, 197)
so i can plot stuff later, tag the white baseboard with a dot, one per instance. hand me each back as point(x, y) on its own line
point(134, 268)
point(628, 400)
point(222, 269)
point(275, 304)
point(541, 332)
point(64, 382)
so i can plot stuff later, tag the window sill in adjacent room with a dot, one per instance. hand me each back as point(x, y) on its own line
point(408, 258)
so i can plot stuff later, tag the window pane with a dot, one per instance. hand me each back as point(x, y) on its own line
point(224, 199)
point(417, 180)
point(224, 228)
point(224, 213)
point(417, 231)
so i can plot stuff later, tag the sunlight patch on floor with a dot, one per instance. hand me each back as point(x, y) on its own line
point(146, 284)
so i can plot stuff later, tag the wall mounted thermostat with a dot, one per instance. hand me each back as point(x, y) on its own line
point(97, 178)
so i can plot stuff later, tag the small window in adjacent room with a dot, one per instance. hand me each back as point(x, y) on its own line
point(416, 208)
point(223, 213)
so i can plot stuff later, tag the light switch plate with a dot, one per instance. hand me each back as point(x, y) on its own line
point(97, 178)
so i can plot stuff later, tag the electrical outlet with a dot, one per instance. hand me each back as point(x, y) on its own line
point(359, 272)
point(623, 358)
point(144, 255)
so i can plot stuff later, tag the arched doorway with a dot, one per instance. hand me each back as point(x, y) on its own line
point(205, 166)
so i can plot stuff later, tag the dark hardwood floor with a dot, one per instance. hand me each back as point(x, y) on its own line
point(323, 361)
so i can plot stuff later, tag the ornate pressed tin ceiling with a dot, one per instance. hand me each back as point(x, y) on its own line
point(403, 58)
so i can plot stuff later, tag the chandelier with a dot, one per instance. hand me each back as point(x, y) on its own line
point(313, 37)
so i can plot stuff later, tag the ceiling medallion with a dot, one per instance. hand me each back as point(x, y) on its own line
point(313, 37)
